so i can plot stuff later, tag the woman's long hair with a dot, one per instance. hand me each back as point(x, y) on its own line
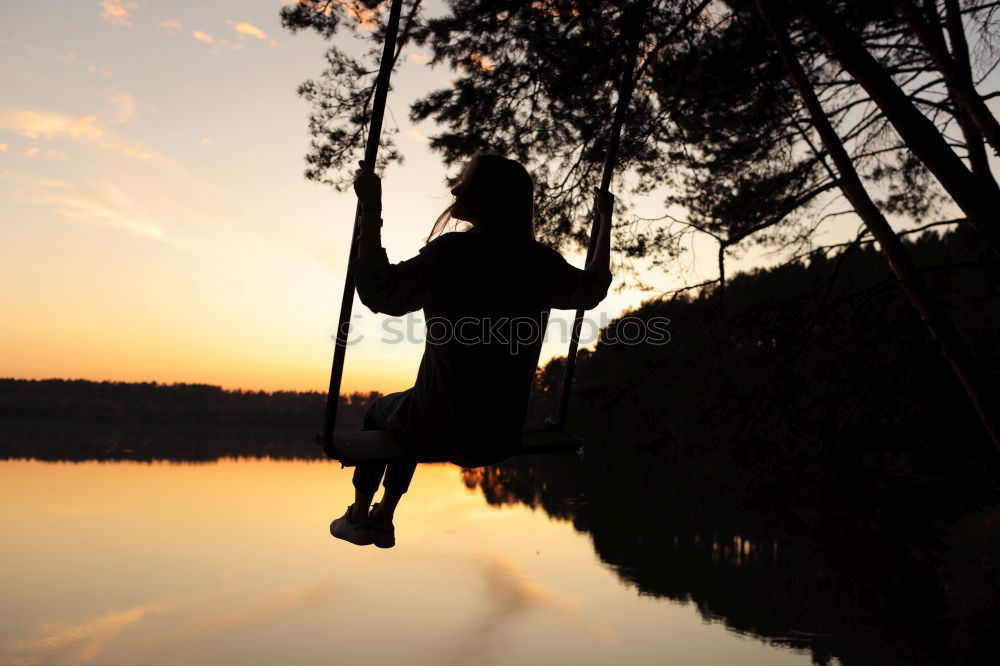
point(508, 192)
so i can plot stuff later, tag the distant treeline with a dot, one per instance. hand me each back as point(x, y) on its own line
point(63, 419)
point(79, 400)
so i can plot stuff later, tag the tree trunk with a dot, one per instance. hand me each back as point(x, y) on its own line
point(980, 203)
point(912, 283)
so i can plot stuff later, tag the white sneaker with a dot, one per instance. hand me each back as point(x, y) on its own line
point(359, 534)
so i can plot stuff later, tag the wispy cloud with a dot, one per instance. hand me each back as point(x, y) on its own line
point(102, 204)
point(44, 124)
point(247, 30)
point(3, 147)
point(50, 154)
point(203, 36)
point(117, 12)
point(132, 149)
point(420, 58)
point(73, 60)
point(49, 125)
point(171, 26)
point(243, 29)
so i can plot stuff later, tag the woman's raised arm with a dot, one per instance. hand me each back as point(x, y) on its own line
point(368, 187)
point(573, 289)
point(393, 289)
point(605, 203)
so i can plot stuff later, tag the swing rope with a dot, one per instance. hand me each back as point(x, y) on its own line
point(626, 85)
point(347, 302)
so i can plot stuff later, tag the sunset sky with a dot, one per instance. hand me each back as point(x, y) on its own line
point(156, 223)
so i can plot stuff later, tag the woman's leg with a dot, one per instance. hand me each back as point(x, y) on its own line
point(367, 474)
point(366, 478)
point(398, 475)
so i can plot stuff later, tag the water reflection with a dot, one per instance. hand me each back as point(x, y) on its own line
point(853, 582)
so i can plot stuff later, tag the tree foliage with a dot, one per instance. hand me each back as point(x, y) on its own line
point(714, 128)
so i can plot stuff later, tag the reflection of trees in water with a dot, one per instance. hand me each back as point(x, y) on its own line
point(121, 441)
point(886, 584)
point(82, 420)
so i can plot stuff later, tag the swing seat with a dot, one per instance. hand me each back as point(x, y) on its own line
point(352, 447)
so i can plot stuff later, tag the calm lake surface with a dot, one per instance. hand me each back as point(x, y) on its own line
point(542, 561)
point(232, 563)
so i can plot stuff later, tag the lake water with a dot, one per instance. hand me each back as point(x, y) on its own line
point(231, 562)
point(621, 556)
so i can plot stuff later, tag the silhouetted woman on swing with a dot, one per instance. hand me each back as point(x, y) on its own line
point(484, 292)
